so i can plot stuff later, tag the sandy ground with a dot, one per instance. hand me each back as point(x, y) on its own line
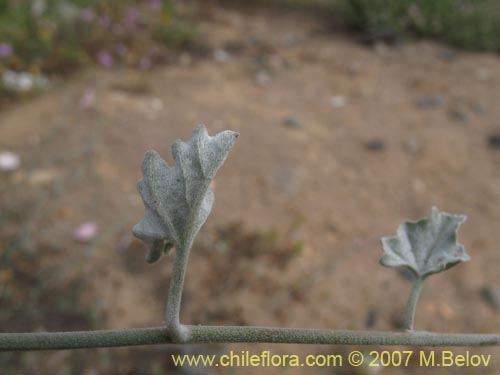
point(339, 143)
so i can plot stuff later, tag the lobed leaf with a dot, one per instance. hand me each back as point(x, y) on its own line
point(426, 246)
point(178, 200)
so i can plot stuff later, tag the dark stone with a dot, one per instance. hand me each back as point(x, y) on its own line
point(292, 122)
point(331, 227)
point(430, 102)
point(375, 145)
point(447, 54)
point(458, 115)
point(235, 47)
point(371, 318)
point(492, 295)
point(385, 35)
point(494, 141)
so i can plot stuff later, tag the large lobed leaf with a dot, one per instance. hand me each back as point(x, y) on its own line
point(178, 200)
point(426, 246)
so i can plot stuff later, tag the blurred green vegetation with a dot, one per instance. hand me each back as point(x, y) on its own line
point(54, 36)
point(285, 4)
point(44, 37)
point(471, 24)
point(40, 38)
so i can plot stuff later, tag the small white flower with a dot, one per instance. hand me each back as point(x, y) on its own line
point(9, 161)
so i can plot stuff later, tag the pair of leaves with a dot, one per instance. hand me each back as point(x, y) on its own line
point(178, 200)
point(426, 246)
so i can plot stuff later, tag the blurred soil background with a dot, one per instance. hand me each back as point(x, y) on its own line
point(353, 115)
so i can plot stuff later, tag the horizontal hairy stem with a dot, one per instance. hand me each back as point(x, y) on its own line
point(228, 334)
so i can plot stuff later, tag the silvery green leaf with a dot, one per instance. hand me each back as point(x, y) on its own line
point(178, 199)
point(426, 246)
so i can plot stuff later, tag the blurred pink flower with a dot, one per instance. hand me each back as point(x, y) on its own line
point(132, 17)
point(155, 4)
point(105, 58)
point(145, 63)
point(87, 15)
point(5, 50)
point(104, 21)
point(88, 99)
point(85, 232)
point(9, 161)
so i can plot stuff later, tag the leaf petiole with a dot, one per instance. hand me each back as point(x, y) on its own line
point(175, 329)
point(411, 306)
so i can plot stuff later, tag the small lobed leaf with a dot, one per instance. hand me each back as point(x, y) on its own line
point(178, 200)
point(426, 246)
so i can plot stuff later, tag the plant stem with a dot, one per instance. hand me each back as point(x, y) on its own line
point(411, 306)
point(227, 334)
point(178, 332)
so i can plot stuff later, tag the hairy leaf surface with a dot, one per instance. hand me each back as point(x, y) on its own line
point(178, 199)
point(426, 246)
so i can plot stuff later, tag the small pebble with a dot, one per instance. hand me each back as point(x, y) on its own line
point(353, 68)
point(156, 104)
point(9, 161)
point(494, 141)
point(291, 40)
point(483, 74)
point(382, 35)
point(492, 295)
point(371, 318)
point(185, 59)
point(413, 146)
point(42, 177)
point(221, 55)
point(338, 101)
point(234, 47)
point(458, 115)
point(286, 180)
point(375, 145)
point(447, 54)
point(292, 122)
point(262, 77)
point(430, 102)
point(478, 108)
point(23, 81)
point(331, 227)
point(418, 186)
